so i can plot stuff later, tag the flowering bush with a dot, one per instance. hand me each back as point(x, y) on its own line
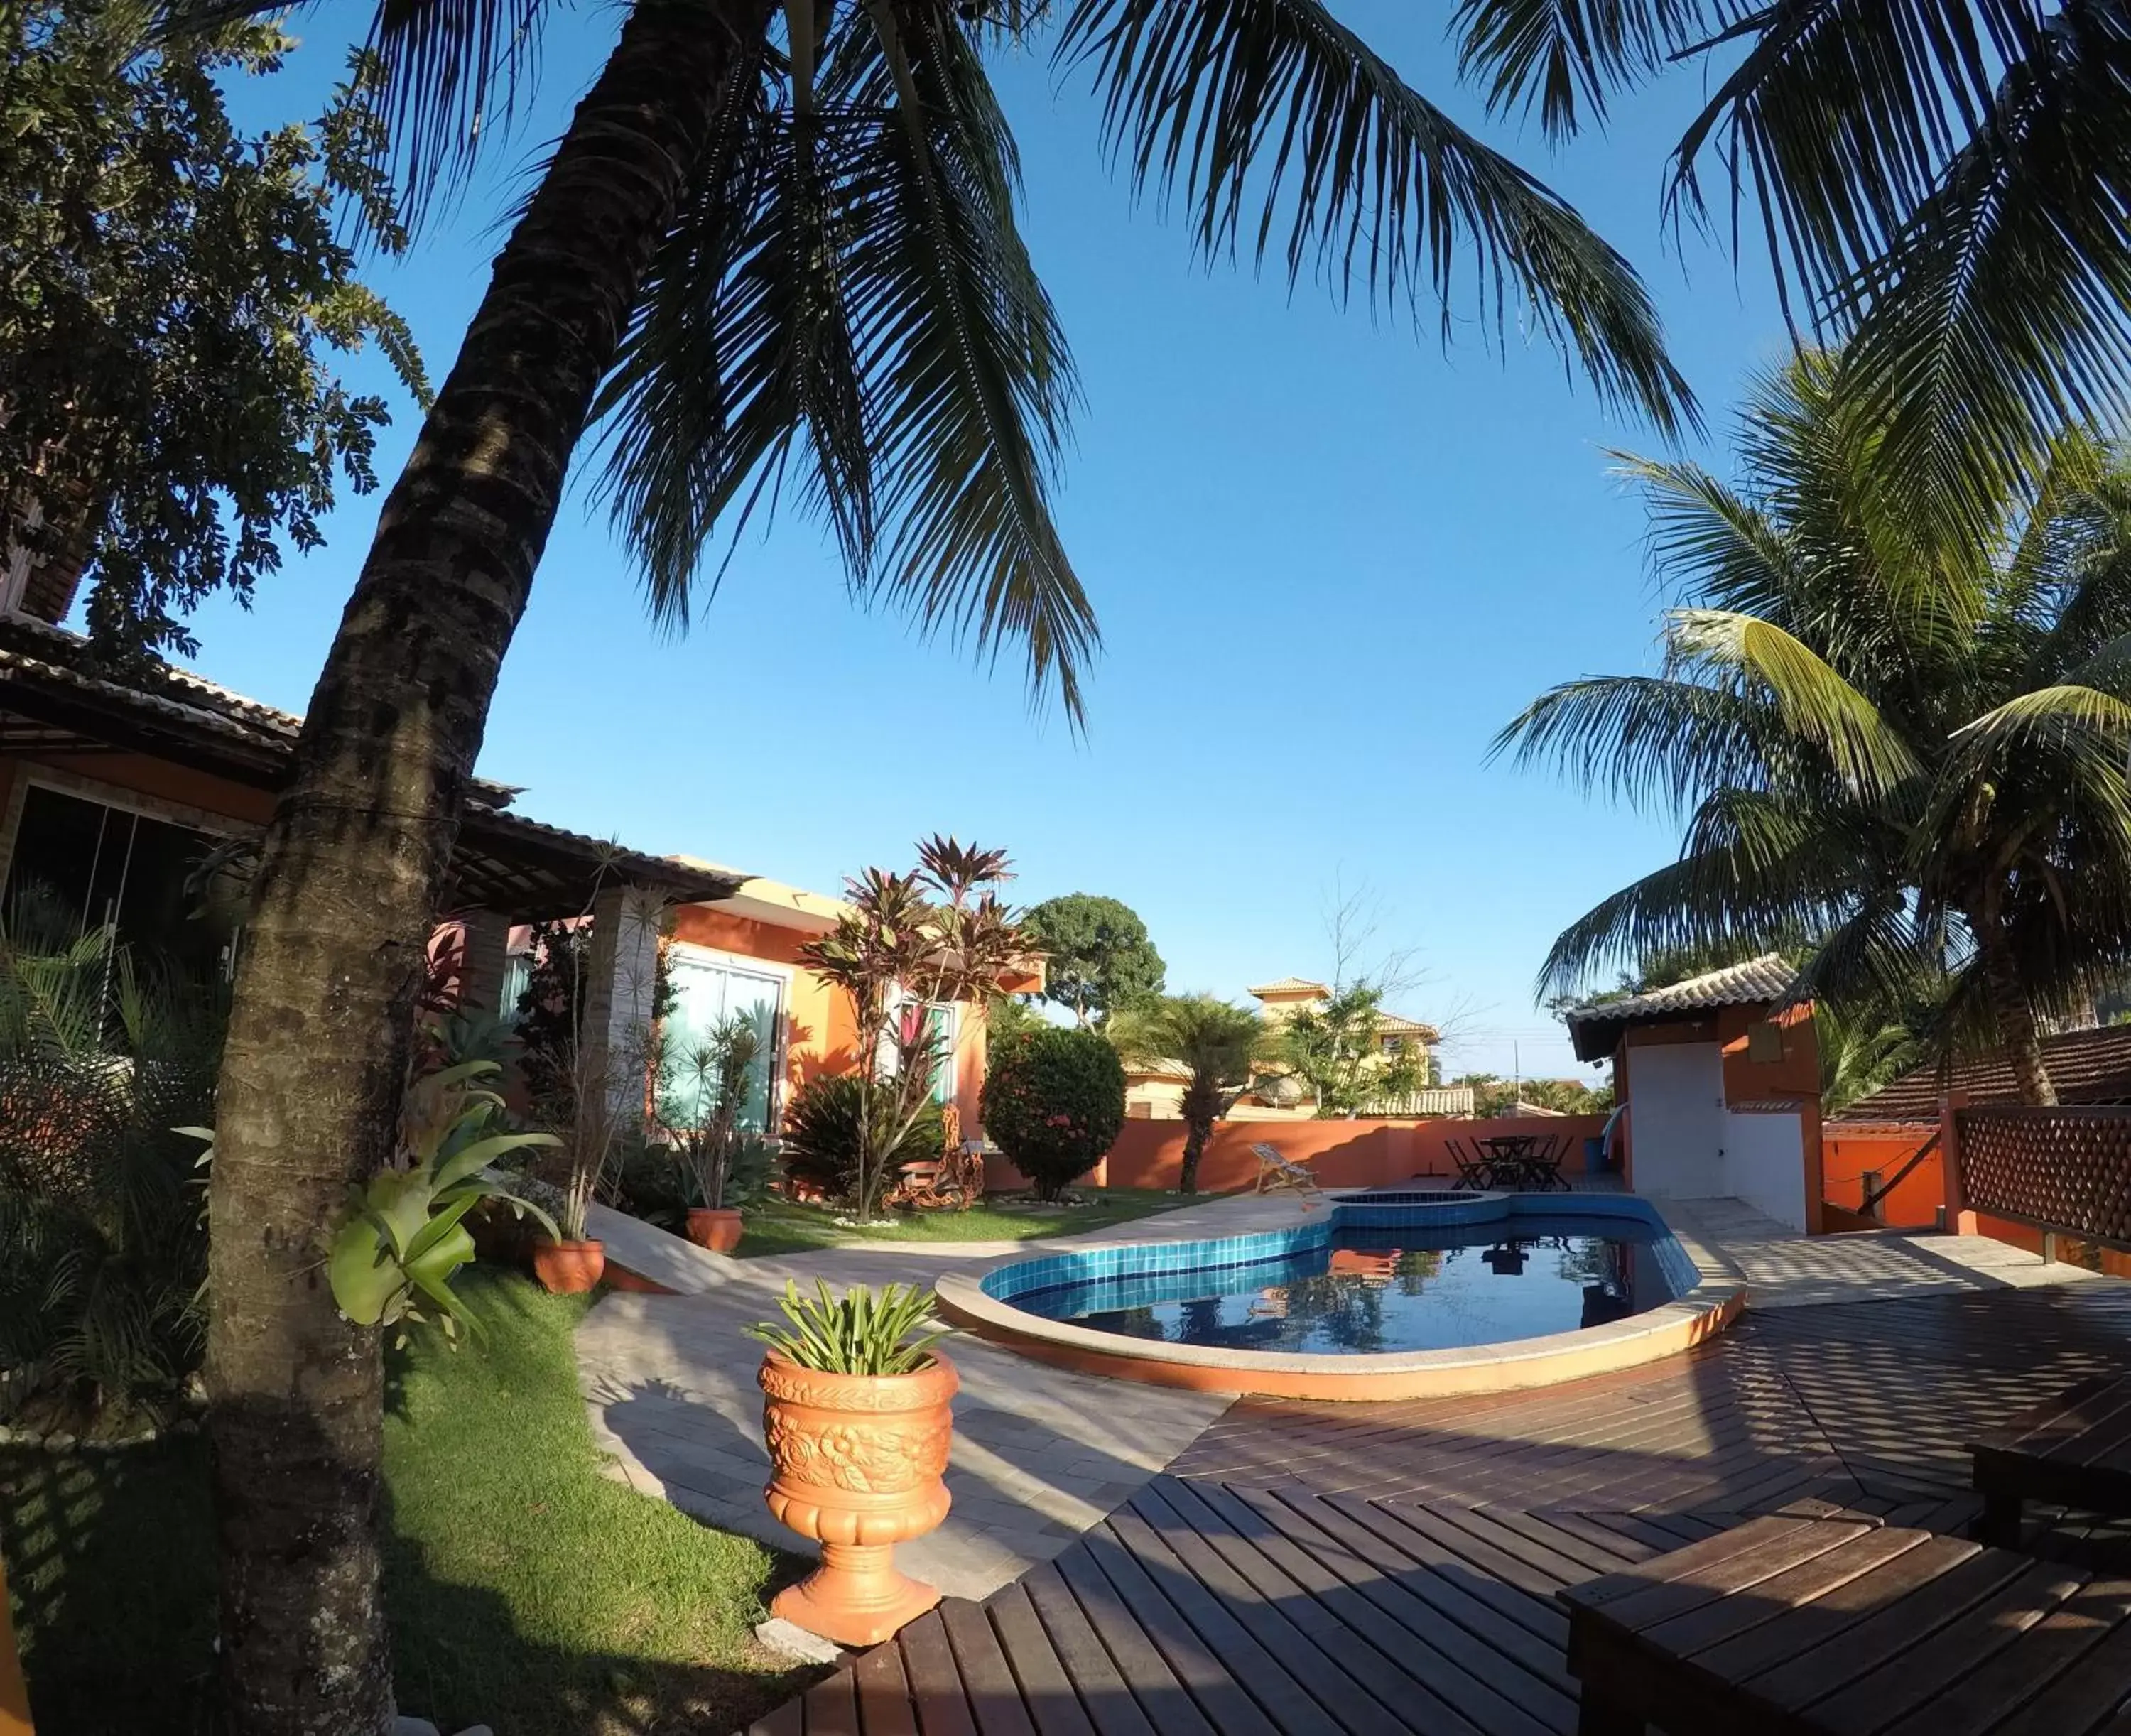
point(1054, 1100)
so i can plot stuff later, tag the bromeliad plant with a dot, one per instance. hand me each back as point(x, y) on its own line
point(866, 1333)
point(908, 945)
point(407, 1237)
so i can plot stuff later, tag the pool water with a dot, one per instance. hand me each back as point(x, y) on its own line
point(1366, 1289)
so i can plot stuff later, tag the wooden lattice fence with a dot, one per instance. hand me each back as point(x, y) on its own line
point(2065, 1170)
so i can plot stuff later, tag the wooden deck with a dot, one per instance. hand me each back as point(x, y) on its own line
point(1310, 1570)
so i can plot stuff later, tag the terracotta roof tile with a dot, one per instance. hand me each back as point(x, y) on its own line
point(2085, 1066)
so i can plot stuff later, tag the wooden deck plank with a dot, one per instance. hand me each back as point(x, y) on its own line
point(1160, 1691)
point(1241, 1686)
point(1224, 1607)
point(2002, 1683)
point(1461, 1652)
point(1105, 1694)
point(1357, 1636)
point(832, 1707)
point(928, 1663)
point(884, 1693)
point(995, 1695)
point(1046, 1688)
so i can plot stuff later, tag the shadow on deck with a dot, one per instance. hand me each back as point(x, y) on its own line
point(1329, 1569)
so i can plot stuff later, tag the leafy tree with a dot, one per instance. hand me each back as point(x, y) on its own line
point(1336, 1048)
point(175, 293)
point(1218, 1045)
point(1053, 1101)
point(1941, 185)
point(1916, 758)
point(1097, 956)
point(1494, 1095)
point(759, 251)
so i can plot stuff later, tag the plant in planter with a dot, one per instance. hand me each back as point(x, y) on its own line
point(721, 1163)
point(858, 1418)
point(590, 1074)
point(908, 946)
point(1055, 1100)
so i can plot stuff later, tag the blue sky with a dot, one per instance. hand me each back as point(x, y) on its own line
point(1329, 561)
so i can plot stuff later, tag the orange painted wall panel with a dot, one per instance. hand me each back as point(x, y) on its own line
point(1846, 1154)
point(1340, 1154)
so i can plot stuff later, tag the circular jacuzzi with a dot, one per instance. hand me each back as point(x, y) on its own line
point(1389, 1293)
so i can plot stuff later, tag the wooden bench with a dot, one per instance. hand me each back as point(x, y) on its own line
point(2071, 1451)
point(1811, 1627)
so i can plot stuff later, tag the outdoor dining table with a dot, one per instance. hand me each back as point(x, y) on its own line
point(1518, 1162)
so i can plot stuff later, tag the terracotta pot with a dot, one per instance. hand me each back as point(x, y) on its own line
point(568, 1268)
point(856, 1462)
point(714, 1228)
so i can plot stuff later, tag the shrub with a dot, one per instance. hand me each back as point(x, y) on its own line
point(102, 1248)
point(821, 1146)
point(1053, 1101)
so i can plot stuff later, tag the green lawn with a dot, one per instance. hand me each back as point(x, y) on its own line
point(783, 1227)
point(526, 1590)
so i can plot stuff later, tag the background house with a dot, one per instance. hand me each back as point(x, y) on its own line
point(1721, 1090)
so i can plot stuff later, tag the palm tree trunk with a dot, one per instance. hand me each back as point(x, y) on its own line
point(2013, 1012)
point(352, 868)
point(1196, 1133)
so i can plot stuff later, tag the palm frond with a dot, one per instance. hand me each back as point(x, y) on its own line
point(1840, 118)
point(1286, 135)
point(853, 277)
point(1991, 314)
point(1649, 740)
point(1816, 704)
point(1567, 57)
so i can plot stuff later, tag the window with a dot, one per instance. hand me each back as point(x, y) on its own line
point(1392, 1047)
point(708, 989)
point(943, 1021)
point(99, 865)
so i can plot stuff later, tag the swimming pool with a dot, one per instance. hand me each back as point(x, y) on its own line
point(1365, 1289)
point(1388, 1294)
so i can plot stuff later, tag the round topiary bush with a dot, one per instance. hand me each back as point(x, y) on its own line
point(1054, 1100)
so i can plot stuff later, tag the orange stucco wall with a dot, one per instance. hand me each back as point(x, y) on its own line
point(1340, 1154)
point(1847, 1152)
point(820, 1025)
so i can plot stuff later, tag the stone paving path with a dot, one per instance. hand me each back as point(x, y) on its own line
point(1040, 1455)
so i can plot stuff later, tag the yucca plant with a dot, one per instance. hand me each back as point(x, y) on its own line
point(865, 1331)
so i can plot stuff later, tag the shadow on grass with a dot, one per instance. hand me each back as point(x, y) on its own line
point(524, 1589)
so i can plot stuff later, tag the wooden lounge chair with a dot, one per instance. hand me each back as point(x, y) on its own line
point(1275, 1171)
point(1804, 1626)
point(2071, 1451)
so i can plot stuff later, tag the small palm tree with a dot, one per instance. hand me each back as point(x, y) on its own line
point(1218, 1045)
point(1916, 757)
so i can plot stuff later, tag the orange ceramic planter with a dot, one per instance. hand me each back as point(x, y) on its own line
point(568, 1268)
point(714, 1228)
point(856, 1463)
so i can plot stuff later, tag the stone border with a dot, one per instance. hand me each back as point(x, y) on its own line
point(1704, 1304)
